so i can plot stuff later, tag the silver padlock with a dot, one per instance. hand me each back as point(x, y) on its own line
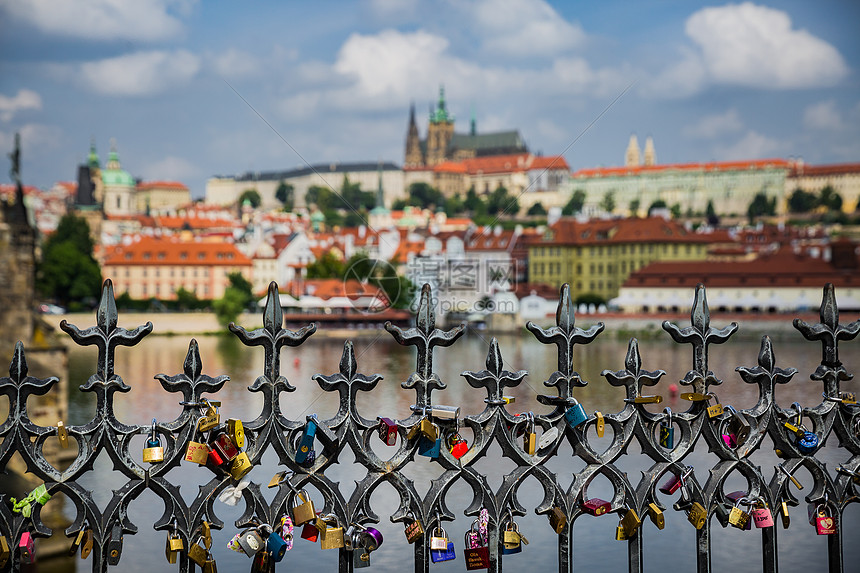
point(251, 542)
point(351, 538)
point(360, 558)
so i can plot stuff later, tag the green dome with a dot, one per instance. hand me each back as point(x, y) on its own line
point(114, 174)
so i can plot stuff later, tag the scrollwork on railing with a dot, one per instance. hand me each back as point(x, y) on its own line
point(732, 435)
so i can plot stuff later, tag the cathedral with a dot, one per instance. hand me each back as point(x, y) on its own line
point(444, 144)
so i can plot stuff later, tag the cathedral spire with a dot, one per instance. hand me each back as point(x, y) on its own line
point(631, 158)
point(473, 124)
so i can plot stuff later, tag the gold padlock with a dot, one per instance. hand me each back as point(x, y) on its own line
point(601, 424)
point(331, 533)
point(197, 554)
point(557, 519)
point(236, 432)
point(439, 539)
point(428, 429)
point(530, 438)
point(656, 515)
point(240, 466)
point(76, 543)
point(413, 531)
point(738, 517)
point(206, 532)
point(630, 522)
point(63, 435)
point(697, 515)
point(304, 512)
point(5, 553)
point(87, 544)
point(512, 538)
point(783, 512)
point(172, 547)
point(197, 452)
point(209, 565)
point(620, 535)
point(716, 409)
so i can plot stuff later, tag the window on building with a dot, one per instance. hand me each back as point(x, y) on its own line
point(579, 268)
point(674, 249)
point(600, 268)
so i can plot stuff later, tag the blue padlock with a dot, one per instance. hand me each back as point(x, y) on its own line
point(276, 546)
point(575, 415)
point(807, 443)
point(667, 431)
point(437, 555)
point(429, 448)
point(306, 444)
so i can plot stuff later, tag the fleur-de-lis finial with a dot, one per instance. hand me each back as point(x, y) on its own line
point(424, 337)
point(633, 377)
point(348, 381)
point(565, 335)
point(494, 378)
point(700, 335)
point(766, 374)
point(191, 382)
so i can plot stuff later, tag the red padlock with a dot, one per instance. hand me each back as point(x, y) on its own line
point(225, 447)
point(215, 457)
point(387, 431)
point(27, 548)
point(310, 531)
point(457, 446)
point(596, 506)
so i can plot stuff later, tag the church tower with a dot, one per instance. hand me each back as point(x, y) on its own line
point(631, 158)
point(414, 157)
point(440, 132)
point(650, 154)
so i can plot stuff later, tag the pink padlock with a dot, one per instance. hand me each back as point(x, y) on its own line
point(730, 441)
point(762, 517)
point(824, 524)
point(28, 548)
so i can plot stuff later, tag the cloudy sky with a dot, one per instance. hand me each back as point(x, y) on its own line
point(167, 78)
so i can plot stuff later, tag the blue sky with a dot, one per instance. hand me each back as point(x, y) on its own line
point(708, 81)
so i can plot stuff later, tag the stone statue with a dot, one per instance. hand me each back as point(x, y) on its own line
point(15, 156)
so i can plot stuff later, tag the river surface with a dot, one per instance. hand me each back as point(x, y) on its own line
point(594, 546)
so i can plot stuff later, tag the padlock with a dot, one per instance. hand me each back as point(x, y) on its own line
point(447, 554)
point(173, 547)
point(575, 415)
point(457, 446)
point(197, 554)
point(630, 523)
point(738, 426)
point(387, 431)
point(667, 431)
point(209, 565)
point(76, 542)
point(250, 541)
point(529, 438)
point(445, 412)
point(646, 399)
point(697, 515)
point(223, 444)
point(215, 458)
point(197, 452)
point(114, 547)
point(596, 506)
point(370, 538)
point(674, 482)
point(656, 515)
point(824, 524)
point(714, 410)
point(413, 531)
point(600, 424)
point(512, 540)
point(721, 514)
point(27, 548)
point(306, 443)
point(262, 562)
point(206, 534)
point(62, 435)
point(153, 452)
point(304, 511)
point(783, 513)
point(331, 533)
point(276, 546)
point(620, 535)
point(475, 555)
point(738, 517)
point(5, 552)
point(761, 515)
point(730, 441)
point(236, 431)
point(791, 477)
point(87, 544)
point(439, 539)
point(807, 443)
point(429, 448)
point(361, 558)
point(211, 418)
point(548, 438)
point(240, 466)
point(557, 519)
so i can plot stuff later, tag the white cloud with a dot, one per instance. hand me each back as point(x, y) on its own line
point(679, 80)
point(752, 145)
point(170, 168)
point(824, 116)
point(756, 46)
point(235, 64)
point(24, 99)
point(522, 27)
point(713, 126)
point(139, 73)
point(144, 20)
point(34, 136)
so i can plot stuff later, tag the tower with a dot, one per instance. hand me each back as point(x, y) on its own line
point(119, 187)
point(439, 132)
point(650, 154)
point(414, 157)
point(631, 158)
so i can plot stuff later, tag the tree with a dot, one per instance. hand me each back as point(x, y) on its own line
point(801, 201)
point(500, 202)
point(658, 204)
point(675, 210)
point(354, 197)
point(399, 204)
point(237, 297)
point(322, 197)
point(328, 266)
point(607, 203)
point(634, 207)
point(760, 206)
point(424, 195)
point(536, 209)
point(252, 196)
point(454, 205)
point(830, 199)
point(575, 204)
point(186, 299)
point(711, 214)
point(284, 194)
point(68, 272)
point(473, 202)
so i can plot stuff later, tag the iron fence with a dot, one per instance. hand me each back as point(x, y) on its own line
point(307, 447)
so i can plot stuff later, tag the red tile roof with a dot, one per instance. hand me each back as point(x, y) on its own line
point(329, 288)
point(570, 231)
point(159, 252)
point(174, 185)
point(624, 171)
point(514, 163)
point(823, 170)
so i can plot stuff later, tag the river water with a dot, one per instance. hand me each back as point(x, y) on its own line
point(594, 547)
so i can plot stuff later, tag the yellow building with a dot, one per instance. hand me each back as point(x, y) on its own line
point(598, 255)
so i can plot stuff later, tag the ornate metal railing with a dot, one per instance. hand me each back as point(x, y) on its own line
point(731, 435)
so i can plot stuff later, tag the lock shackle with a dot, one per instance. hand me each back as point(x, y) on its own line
point(798, 412)
point(668, 414)
point(153, 433)
point(830, 398)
